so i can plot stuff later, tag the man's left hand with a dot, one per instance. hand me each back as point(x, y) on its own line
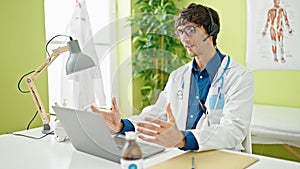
point(164, 133)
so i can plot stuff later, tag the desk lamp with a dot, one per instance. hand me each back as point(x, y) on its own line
point(76, 62)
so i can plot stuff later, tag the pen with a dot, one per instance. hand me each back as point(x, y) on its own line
point(193, 163)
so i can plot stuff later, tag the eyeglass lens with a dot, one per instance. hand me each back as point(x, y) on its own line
point(189, 31)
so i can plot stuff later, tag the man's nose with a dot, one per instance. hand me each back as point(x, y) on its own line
point(184, 37)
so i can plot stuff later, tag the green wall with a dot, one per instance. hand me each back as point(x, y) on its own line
point(276, 150)
point(22, 45)
point(271, 87)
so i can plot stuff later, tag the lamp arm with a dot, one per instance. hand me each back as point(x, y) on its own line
point(48, 61)
point(33, 90)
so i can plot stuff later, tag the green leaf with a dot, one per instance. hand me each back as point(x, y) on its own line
point(153, 38)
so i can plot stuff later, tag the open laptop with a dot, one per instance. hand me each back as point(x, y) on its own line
point(89, 133)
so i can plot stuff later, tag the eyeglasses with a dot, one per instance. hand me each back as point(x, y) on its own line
point(188, 30)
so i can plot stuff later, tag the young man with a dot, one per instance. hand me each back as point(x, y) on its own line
point(206, 104)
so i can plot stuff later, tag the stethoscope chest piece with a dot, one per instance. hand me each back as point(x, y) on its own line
point(180, 94)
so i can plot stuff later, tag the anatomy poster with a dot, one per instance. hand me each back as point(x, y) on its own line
point(273, 41)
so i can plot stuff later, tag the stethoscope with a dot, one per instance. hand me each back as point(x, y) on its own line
point(180, 91)
point(220, 78)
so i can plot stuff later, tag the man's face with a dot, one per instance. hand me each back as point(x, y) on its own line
point(191, 36)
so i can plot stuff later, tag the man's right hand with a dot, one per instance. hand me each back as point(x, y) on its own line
point(112, 117)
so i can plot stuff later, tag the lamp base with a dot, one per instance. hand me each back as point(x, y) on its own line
point(46, 129)
point(59, 132)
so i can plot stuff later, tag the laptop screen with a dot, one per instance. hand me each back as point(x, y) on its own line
point(89, 133)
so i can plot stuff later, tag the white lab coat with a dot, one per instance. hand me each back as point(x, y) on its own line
point(228, 126)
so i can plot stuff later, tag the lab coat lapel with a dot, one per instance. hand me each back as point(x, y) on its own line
point(181, 121)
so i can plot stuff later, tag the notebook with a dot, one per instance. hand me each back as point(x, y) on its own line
point(89, 133)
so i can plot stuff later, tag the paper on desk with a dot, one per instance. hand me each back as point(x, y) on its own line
point(208, 160)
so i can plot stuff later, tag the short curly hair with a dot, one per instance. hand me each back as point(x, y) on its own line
point(198, 14)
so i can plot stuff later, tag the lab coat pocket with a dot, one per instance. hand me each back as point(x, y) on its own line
point(216, 101)
point(215, 105)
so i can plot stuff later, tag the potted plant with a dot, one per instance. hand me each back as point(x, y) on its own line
point(156, 50)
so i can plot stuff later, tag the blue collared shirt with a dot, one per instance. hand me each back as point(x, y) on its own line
point(199, 87)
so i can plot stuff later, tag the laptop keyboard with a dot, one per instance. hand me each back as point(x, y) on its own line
point(146, 148)
point(120, 141)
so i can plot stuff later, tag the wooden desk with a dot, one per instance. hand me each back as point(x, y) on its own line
point(24, 153)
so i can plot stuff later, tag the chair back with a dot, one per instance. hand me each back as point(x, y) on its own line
point(247, 143)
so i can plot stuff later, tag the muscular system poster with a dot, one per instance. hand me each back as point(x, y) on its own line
point(273, 40)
